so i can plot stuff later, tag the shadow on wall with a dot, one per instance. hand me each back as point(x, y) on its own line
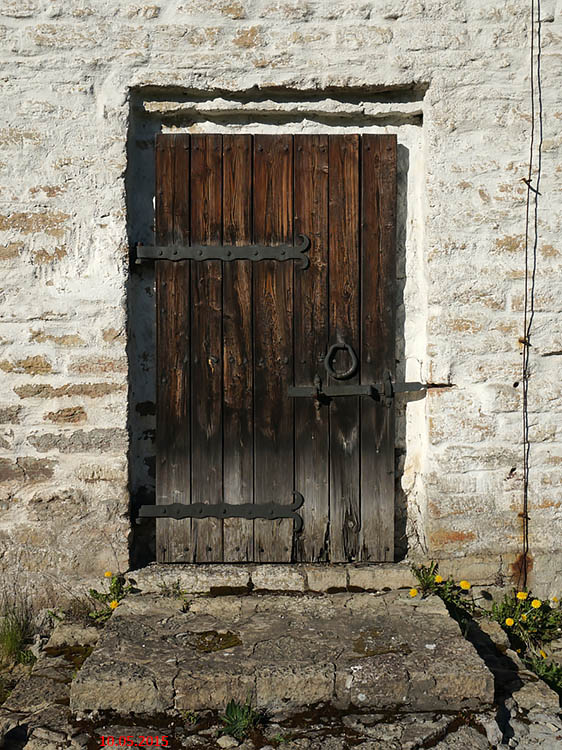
point(144, 124)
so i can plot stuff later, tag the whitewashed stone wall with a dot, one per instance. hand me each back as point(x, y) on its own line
point(84, 87)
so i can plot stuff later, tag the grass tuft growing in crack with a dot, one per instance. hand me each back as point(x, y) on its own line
point(239, 719)
point(16, 629)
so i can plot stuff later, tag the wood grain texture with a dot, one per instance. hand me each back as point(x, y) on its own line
point(237, 347)
point(232, 336)
point(207, 351)
point(172, 344)
point(273, 335)
point(345, 516)
point(378, 271)
point(310, 338)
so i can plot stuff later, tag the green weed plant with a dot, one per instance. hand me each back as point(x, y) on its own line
point(191, 718)
point(109, 599)
point(16, 630)
point(239, 719)
point(529, 622)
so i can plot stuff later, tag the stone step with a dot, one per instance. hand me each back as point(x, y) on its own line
point(284, 652)
point(302, 577)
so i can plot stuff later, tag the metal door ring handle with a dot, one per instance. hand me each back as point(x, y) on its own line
point(352, 369)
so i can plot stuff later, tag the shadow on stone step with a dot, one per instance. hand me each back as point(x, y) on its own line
point(16, 738)
point(505, 672)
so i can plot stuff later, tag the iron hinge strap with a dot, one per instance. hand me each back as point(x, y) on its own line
point(249, 511)
point(226, 252)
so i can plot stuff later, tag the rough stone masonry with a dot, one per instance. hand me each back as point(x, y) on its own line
point(85, 84)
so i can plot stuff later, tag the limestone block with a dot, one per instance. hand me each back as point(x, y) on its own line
point(378, 577)
point(73, 634)
point(536, 694)
point(381, 683)
point(213, 691)
point(193, 579)
point(278, 578)
point(325, 577)
point(281, 686)
point(124, 688)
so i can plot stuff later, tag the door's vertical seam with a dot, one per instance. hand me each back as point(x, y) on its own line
point(174, 144)
point(157, 297)
point(252, 546)
point(328, 551)
point(191, 400)
point(360, 313)
point(222, 353)
point(293, 405)
point(190, 339)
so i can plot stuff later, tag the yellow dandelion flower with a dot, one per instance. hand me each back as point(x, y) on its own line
point(465, 585)
point(524, 617)
point(554, 599)
point(542, 653)
point(108, 574)
point(413, 592)
point(522, 595)
point(509, 621)
point(438, 579)
point(114, 604)
point(536, 603)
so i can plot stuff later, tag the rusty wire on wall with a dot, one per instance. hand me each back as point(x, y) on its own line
point(531, 247)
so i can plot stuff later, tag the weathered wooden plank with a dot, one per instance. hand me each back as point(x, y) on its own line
point(378, 271)
point(273, 361)
point(310, 337)
point(206, 344)
point(237, 347)
point(173, 538)
point(345, 518)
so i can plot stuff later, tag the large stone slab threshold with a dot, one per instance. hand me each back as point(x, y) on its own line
point(299, 577)
point(284, 652)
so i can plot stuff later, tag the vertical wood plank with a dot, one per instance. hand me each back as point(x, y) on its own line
point(206, 348)
point(310, 337)
point(173, 538)
point(345, 517)
point(273, 335)
point(237, 346)
point(378, 266)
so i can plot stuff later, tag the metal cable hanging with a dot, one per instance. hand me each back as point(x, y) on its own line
point(531, 247)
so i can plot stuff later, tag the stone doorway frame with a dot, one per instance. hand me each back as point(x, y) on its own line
point(170, 110)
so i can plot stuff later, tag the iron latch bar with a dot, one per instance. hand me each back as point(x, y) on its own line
point(249, 511)
point(383, 392)
point(226, 252)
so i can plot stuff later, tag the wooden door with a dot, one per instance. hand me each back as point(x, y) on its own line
point(234, 335)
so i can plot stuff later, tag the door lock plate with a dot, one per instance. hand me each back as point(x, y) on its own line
point(383, 392)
